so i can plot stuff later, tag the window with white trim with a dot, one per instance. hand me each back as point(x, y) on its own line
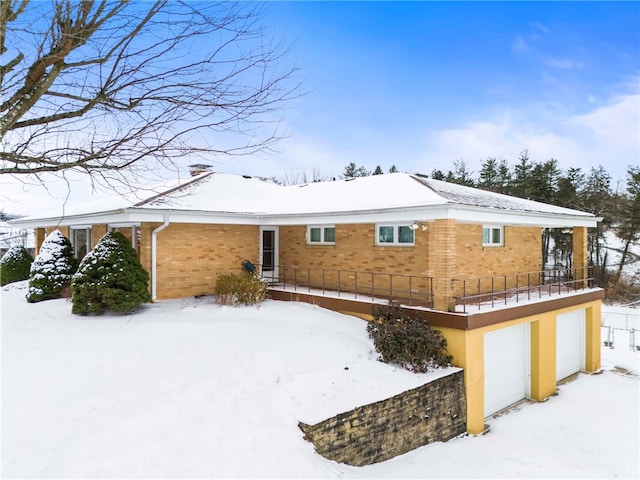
point(492, 236)
point(321, 235)
point(394, 234)
point(81, 241)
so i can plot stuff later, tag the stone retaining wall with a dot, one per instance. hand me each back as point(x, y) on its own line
point(434, 412)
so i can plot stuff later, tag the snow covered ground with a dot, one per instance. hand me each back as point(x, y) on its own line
point(190, 389)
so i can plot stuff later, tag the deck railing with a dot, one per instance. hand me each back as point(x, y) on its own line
point(492, 291)
point(417, 290)
point(413, 290)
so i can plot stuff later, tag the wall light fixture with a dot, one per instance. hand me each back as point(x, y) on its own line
point(416, 225)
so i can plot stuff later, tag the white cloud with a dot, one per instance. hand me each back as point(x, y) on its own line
point(539, 30)
point(519, 44)
point(564, 63)
point(609, 136)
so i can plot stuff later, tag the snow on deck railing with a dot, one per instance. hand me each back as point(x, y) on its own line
point(412, 290)
point(493, 291)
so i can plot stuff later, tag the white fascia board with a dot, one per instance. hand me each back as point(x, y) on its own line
point(460, 213)
point(400, 215)
point(73, 220)
point(180, 216)
point(137, 216)
point(514, 218)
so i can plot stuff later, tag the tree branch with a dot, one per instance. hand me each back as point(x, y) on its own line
point(112, 85)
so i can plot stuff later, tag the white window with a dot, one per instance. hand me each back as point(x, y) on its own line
point(492, 236)
point(394, 234)
point(321, 234)
point(81, 241)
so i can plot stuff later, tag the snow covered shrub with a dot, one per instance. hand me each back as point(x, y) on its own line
point(245, 288)
point(15, 265)
point(52, 269)
point(110, 278)
point(407, 340)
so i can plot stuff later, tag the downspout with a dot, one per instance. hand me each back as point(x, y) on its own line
point(154, 256)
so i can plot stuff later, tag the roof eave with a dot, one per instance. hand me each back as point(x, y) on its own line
point(459, 212)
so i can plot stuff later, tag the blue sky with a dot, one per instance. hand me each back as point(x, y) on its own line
point(420, 85)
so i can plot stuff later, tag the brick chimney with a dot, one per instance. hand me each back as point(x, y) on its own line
point(198, 168)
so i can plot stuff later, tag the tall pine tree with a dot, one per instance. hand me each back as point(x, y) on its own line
point(521, 185)
point(627, 215)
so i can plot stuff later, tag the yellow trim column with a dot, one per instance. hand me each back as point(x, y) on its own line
point(593, 338)
point(467, 349)
point(543, 357)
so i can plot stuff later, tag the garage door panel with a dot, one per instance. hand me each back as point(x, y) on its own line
point(570, 328)
point(506, 367)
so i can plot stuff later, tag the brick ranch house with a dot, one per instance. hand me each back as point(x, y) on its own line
point(470, 261)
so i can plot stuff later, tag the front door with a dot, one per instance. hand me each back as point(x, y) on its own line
point(269, 252)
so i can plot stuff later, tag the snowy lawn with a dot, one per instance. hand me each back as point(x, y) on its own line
point(190, 389)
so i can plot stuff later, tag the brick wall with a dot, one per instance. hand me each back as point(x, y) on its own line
point(521, 252)
point(519, 258)
point(64, 230)
point(354, 249)
point(190, 256)
point(97, 232)
point(434, 412)
point(40, 234)
point(443, 258)
point(446, 250)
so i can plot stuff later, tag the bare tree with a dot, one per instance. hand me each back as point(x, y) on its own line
point(103, 86)
point(299, 177)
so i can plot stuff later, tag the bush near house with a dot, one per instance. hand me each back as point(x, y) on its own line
point(243, 288)
point(110, 278)
point(15, 265)
point(52, 269)
point(407, 341)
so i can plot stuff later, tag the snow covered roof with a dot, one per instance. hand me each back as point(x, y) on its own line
point(398, 197)
point(475, 197)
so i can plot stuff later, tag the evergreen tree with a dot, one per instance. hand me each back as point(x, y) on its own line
point(569, 187)
point(15, 265)
point(378, 171)
point(110, 278)
point(521, 185)
point(461, 174)
point(352, 171)
point(544, 181)
point(489, 175)
point(567, 195)
point(393, 169)
point(504, 177)
point(438, 174)
point(52, 268)
point(596, 198)
point(628, 215)
point(596, 194)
